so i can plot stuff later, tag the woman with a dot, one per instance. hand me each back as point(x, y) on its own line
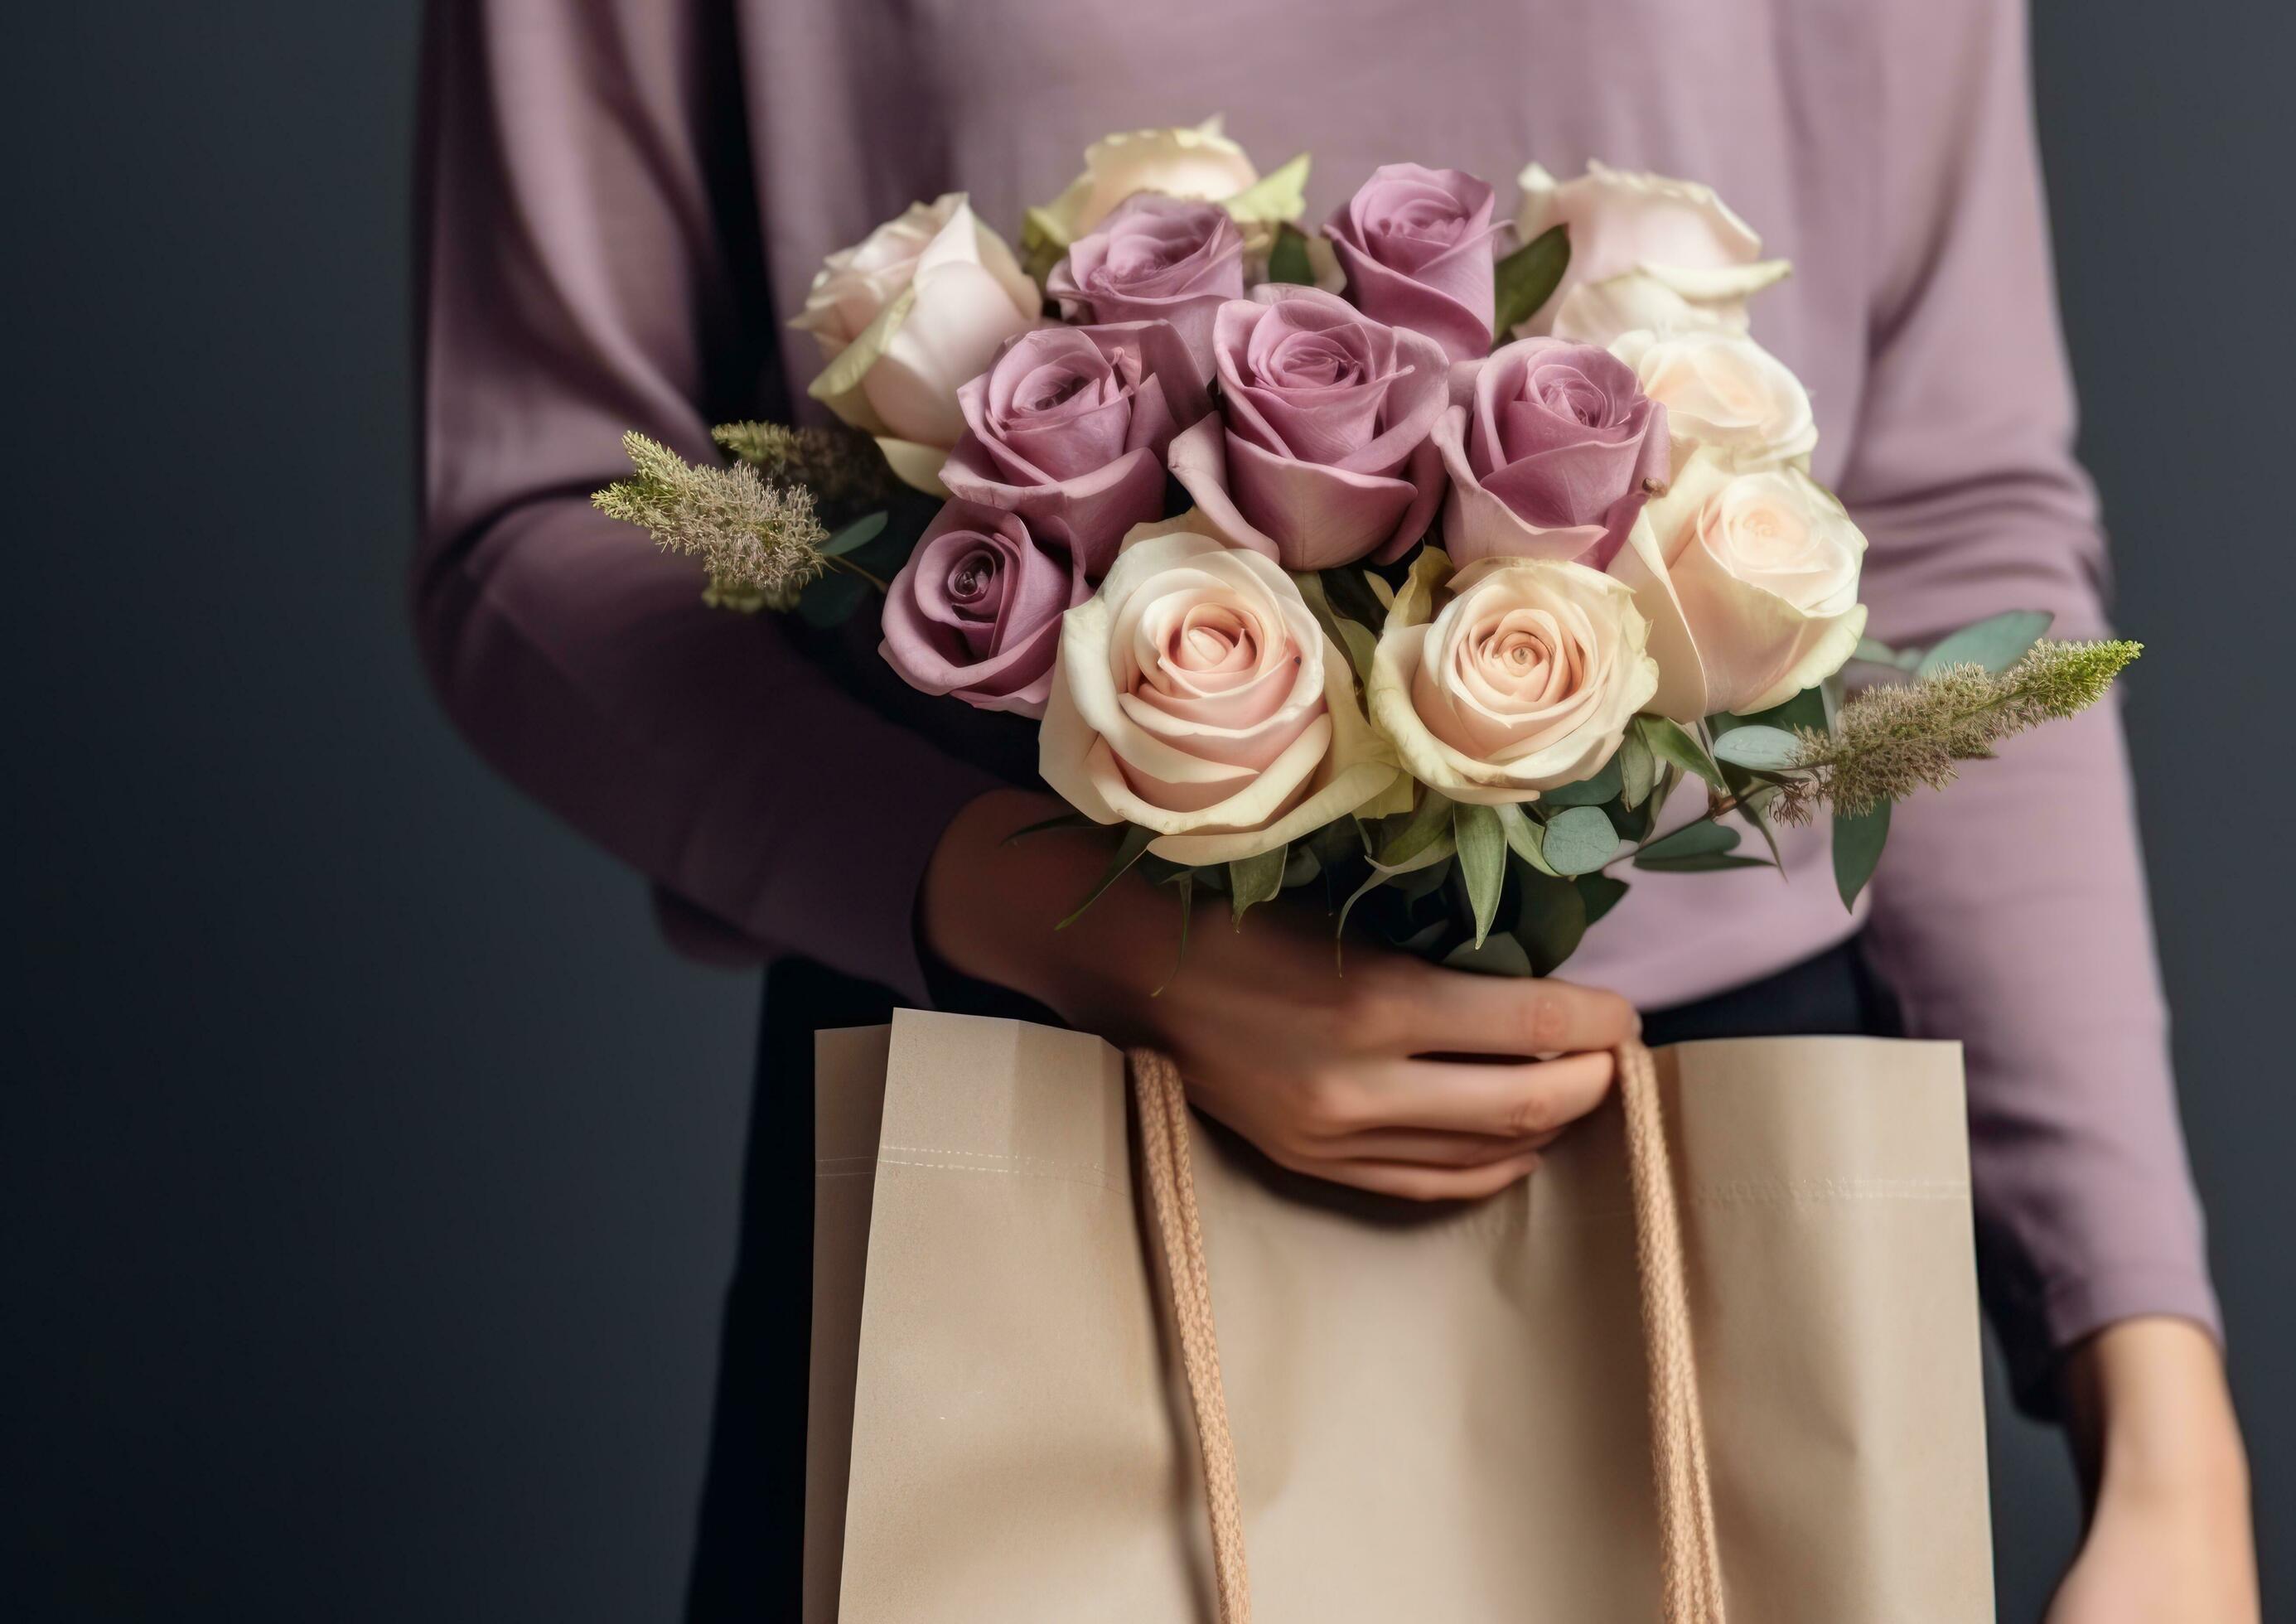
point(626, 197)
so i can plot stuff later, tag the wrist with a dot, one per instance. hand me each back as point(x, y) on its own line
point(2151, 1421)
point(991, 907)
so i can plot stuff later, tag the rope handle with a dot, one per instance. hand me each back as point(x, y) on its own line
point(1690, 1558)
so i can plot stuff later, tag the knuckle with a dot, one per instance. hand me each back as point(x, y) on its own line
point(1533, 1113)
point(1332, 1103)
point(1365, 1018)
point(1546, 1018)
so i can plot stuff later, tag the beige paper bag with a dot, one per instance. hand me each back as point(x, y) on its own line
point(1441, 1415)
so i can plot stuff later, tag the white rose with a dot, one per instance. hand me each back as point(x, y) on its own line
point(905, 317)
point(1722, 390)
point(1698, 262)
point(1524, 682)
point(1195, 695)
point(1750, 582)
point(1199, 163)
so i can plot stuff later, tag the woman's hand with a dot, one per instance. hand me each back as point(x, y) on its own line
point(2170, 1540)
point(1399, 1076)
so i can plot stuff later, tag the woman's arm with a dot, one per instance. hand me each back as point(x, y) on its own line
point(591, 265)
point(2012, 914)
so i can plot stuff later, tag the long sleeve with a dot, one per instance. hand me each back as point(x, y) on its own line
point(2011, 913)
point(591, 265)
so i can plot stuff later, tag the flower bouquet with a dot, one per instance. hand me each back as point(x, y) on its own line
point(1423, 558)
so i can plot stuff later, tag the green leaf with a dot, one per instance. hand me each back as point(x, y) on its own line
point(1287, 261)
point(1881, 654)
point(1673, 744)
point(1603, 786)
point(1702, 862)
point(1763, 749)
point(1127, 852)
point(1500, 955)
point(1184, 881)
point(1806, 708)
point(1638, 769)
point(1601, 893)
point(1066, 820)
point(829, 600)
point(1550, 921)
point(1523, 836)
point(1995, 644)
point(1690, 840)
point(1252, 879)
point(1858, 844)
point(1348, 592)
point(1482, 861)
point(1428, 820)
point(1527, 279)
point(1579, 840)
point(860, 533)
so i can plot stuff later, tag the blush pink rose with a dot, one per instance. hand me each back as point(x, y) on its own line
point(1320, 453)
point(1551, 454)
point(976, 611)
point(1416, 246)
point(1155, 258)
point(1068, 426)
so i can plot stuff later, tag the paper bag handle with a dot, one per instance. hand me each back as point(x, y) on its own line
point(1691, 1562)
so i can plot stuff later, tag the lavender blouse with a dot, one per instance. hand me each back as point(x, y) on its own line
point(623, 198)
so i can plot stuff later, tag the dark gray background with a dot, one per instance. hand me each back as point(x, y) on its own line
point(367, 1172)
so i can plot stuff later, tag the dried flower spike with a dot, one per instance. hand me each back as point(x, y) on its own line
point(760, 544)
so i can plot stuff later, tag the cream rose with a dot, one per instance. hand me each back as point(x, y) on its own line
point(1723, 390)
point(905, 317)
point(1524, 682)
point(1199, 163)
point(1677, 236)
point(1194, 694)
point(1750, 582)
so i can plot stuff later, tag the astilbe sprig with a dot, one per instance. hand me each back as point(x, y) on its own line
point(1893, 739)
point(759, 542)
point(841, 466)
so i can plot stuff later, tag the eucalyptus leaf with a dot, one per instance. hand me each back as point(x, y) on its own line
point(1692, 839)
point(1499, 955)
point(1127, 852)
point(1601, 893)
point(1482, 861)
point(1638, 769)
point(1603, 786)
point(1881, 654)
point(860, 533)
point(1806, 708)
point(1254, 879)
point(1675, 744)
point(1287, 260)
point(1527, 279)
point(1858, 844)
point(1995, 644)
point(1579, 840)
point(1763, 749)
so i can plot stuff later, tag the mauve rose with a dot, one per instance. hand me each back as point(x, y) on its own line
point(1155, 258)
point(1320, 453)
point(976, 611)
point(1068, 426)
point(1549, 454)
point(1416, 244)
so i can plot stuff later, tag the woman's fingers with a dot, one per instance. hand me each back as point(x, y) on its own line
point(1443, 1013)
point(1506, 1101)
point(1420, 1183)
point(1432, 1147)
